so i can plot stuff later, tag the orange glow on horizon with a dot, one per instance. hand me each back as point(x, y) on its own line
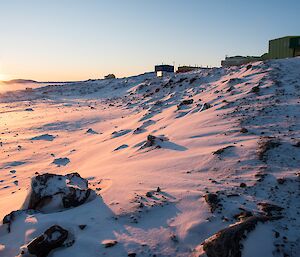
point(3, 77)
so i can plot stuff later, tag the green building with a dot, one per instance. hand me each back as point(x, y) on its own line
point(284, 47)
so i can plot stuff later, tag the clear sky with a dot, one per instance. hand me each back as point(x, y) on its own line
point(54, 40)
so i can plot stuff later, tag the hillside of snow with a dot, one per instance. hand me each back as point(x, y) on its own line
point(205, 163)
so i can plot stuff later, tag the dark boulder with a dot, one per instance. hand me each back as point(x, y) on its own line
point(281, 181)
point(249, 66)
point(244, 130)
point(297, 144)
point(265, 145)
point(66, 191)
point(205, 106)
point(243, 215)
point(51, 239)
point(227, 242)
point(212, 200)
point(271, 209)
point(153, 141)
point(243, 185)
point(222, 150)
point(255, 89)
point(184, 103)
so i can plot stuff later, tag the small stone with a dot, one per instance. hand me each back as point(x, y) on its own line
point(131, 254)
point(109, 243)
point(82, 227)
point(243, 185)
point(249, 66)
point(255, 89)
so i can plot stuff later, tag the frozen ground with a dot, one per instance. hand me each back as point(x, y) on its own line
point(238, 139)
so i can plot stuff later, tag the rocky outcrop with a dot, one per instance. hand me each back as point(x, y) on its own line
point(153, 141)
point(265, 145)
point(9, 218)
point(54, 237)
point(51, 192)
point(227, 242)
point(185, 102)
point(66, 191)
point(271, 209)
point(212, 200)
point(222, 150)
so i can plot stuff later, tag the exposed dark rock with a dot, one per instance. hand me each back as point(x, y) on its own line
point(265, 145)
point(150, 140)
point(138, 130)
point(192, 80)
point(131, 254)
point(185, 102)
point(235, 81)
point(9, 218)
point(149, 194)
point(51, 239)
point(91, 131)
point(82, 226)
point(270, 209)
point(205, 106)
point(261, 176)
point(68, 191)
point(255, 89)
point(227, 242)
point(249, 66)
point(181, 80)
point(212, 200)
point(243, 214)
point(221, 150)
point(281, 181)
point(243, 185)
point(153, 141)
point(244, 130)
point(230, 89)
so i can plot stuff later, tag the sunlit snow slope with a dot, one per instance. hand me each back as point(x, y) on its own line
point(233, 132)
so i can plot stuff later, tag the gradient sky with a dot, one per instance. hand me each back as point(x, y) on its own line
point(59, 40)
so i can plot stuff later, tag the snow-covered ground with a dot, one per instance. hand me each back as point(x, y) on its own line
point(237, 139)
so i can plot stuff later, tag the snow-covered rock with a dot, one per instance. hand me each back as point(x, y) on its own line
point(51, 192)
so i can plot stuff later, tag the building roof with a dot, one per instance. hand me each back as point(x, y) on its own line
point(284, 37)
point(164, 67)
